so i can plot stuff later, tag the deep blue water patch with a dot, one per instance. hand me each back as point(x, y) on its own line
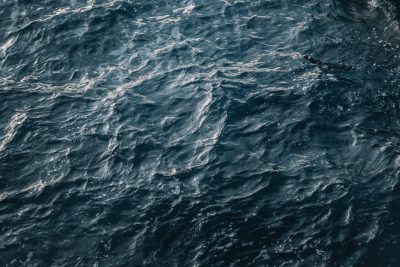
point(199, 133)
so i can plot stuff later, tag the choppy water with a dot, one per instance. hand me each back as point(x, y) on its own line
point(199, 133)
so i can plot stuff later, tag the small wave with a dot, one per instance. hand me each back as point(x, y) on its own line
point(11, 130)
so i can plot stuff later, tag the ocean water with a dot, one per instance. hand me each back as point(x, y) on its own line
point(199, 133)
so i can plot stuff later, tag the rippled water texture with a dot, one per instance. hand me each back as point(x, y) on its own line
point(199, 133)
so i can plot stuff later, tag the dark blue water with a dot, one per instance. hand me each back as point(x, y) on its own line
point(199, 133)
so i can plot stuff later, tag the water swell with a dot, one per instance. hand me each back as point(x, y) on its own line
point(258, 133)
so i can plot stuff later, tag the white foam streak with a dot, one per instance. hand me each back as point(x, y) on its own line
point(11, 130)
point(6, 45)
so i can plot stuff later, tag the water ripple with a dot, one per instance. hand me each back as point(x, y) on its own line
point(204, 133)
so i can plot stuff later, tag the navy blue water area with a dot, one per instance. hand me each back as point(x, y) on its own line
point(199, 133)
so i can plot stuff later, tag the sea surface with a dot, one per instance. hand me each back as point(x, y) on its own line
point(199, 133)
